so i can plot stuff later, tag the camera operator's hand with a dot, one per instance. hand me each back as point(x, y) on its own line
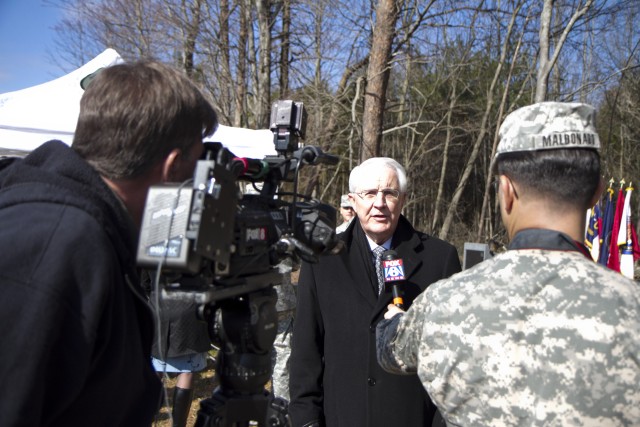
point(392, 310)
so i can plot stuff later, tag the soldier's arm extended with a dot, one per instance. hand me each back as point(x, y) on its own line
point(396, 350)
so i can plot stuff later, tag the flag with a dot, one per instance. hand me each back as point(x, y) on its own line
point(592, 237)
point(614, 250)
point(607, 225)
point(634, 243)
point(627, 238)
point(623, 233)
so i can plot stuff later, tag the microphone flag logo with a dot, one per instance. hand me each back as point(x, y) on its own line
point(393, 270)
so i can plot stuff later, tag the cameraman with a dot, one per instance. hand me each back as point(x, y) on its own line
point(75, 324)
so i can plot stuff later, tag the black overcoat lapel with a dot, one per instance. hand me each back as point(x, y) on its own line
point(353, 263)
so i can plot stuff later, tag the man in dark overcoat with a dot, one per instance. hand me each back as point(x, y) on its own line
point(335, 378)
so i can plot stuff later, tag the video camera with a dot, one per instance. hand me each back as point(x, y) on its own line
point(233, 243)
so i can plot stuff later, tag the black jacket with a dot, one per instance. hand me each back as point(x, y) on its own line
point(335, 378)
point(180, 331)
point(75, 325)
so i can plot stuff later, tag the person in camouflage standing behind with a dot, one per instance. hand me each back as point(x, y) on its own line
point(540, 334)
point(281, 353)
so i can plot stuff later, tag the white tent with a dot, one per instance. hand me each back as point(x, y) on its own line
point(245, 142)
point(32, 116)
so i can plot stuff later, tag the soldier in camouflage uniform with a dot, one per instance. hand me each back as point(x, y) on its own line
point(538, 335)
point(346, 212)
point(286, 308)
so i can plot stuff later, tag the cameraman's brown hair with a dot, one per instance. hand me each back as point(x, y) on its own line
point(132, 115)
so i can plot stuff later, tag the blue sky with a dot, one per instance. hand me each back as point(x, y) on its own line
point(26, 35)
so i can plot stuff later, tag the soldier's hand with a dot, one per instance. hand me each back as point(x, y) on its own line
point(392, 310)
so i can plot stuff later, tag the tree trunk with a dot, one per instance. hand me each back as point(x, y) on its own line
point(263, 95)
point(378, 77)
point(543, 59)
point(445, 157)
point(545, 63)
point(191, 33)
point(241, 79)
point(284, 49)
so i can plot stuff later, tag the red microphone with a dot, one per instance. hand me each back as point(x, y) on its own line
point(394, 273)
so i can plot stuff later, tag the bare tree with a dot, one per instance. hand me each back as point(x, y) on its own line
point(424, 81)
point(482, 128)
point(484, 210)
point(263, 89)
point(285, 48)
point(187, 19)
point(546, 60)
point(241, 76)
point(378, 77)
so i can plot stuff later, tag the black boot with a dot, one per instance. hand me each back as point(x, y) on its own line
point(182, 398)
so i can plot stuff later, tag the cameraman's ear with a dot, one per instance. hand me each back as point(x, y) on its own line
point(171, 166)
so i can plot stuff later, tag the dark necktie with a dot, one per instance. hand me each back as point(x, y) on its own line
point(377, 252)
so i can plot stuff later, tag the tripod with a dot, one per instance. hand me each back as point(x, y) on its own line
point(246, 327)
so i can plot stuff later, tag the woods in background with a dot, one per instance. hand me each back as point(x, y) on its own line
point(426, 82)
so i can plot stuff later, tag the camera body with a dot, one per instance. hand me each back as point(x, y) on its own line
point(207, 227)
point(185, 224)
point(232, 243)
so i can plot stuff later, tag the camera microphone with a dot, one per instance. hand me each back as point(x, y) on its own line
point(315, 156)
point(394, 273)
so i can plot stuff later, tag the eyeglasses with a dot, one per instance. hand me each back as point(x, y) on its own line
point(390, 195)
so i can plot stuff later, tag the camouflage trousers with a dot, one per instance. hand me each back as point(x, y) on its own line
point(280, 356)
point(286, 309)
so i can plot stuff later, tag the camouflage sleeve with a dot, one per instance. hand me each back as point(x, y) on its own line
point(390, 358)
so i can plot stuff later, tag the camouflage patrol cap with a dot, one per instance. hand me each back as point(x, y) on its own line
point(549, 125)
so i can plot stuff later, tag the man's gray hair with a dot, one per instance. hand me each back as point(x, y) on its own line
point(360, 171)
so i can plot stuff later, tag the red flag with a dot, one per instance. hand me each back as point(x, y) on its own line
point(636, 245)
point(625, 237)
point(614, 251)
point(630, 236)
